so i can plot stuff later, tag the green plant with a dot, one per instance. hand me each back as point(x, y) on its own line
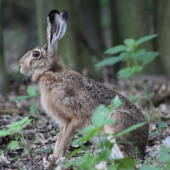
point(13, 128)
point(134, 58)
point(162, 162)
point(89, 160)
point(18, 126)
point(31, 94)
point(161, 126)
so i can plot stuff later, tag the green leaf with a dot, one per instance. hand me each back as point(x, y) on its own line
point(73, 153)
point(105, 154)
point(88, 129)
point(131, 98)
point(164, 155)
point(144, 39)
point(149, 57)
point(100, 115)
point(162, 125)
point(1, 152)
point(48, 150)
point(13, 145)
point(126, 164)
point(130, 129)
point(112, 60)
point(19, 98)
point(108, 61)
point(115, 49)
point(154, 132)
point(151, 94)
point(4, 132)
point(138, 54)
point(149, 167)
point(21, 122)
point(31, 90)
point(136, 69)
point(105, 143)
point(130, 42)
point(33, 109)
point(126, 73)
point(116, 102)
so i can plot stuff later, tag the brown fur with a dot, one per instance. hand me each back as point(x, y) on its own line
point(71, 99)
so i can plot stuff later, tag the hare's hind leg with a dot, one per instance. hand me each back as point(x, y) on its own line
point(63, 140)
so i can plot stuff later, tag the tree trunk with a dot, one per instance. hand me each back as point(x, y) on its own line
point(133, 21)
point(163, 28)
point(89, 12)
point(3, 75)
point(41, 15)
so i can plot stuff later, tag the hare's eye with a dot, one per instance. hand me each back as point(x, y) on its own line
point(36, 54)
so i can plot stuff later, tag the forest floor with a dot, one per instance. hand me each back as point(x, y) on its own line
point(41, 133)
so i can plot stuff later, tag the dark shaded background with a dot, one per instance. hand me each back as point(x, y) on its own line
point(93, 27)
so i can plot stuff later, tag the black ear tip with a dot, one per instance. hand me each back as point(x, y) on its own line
point(53, 12)
point(64, 14)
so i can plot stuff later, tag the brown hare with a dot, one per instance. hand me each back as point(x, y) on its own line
point(71, 98)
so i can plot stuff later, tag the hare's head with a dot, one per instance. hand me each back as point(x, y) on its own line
point(45, 58)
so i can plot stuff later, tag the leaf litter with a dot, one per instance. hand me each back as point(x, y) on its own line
point(40, 135)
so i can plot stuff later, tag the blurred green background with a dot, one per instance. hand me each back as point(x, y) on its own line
point(93, 27)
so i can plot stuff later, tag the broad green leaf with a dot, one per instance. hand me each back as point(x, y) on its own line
point(87, 129)
point(115, 49)
point(126, 73)
point(108, 61)
point(26, 123)
point(131, 98)
point(69, 164)
point(1, 152)
point(130, 42)
point(105, 154)
point(105, 143)
point(31, 90)
point(13, 145)
point(100, 115)
point(151, 94)
point(149, 167)
point(162, 125)
point(138, 54)
point(154, 132)
point(144, 39)
point(130, 129)
point(21, 122)
point(4, 132)
point(48, 150)
point(23, 97)
point(87, 136)
point(164, 155)
point(126, 164)
point(88, 161)
point(108, 122)
point(73, 153)
point(116, 102)
point(19, 98)
point(112, 60)
point(33, 109)
point(149, 57)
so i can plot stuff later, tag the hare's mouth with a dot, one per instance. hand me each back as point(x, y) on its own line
point(24, 71)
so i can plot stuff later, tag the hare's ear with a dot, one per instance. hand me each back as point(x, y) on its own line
point(56, 27)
